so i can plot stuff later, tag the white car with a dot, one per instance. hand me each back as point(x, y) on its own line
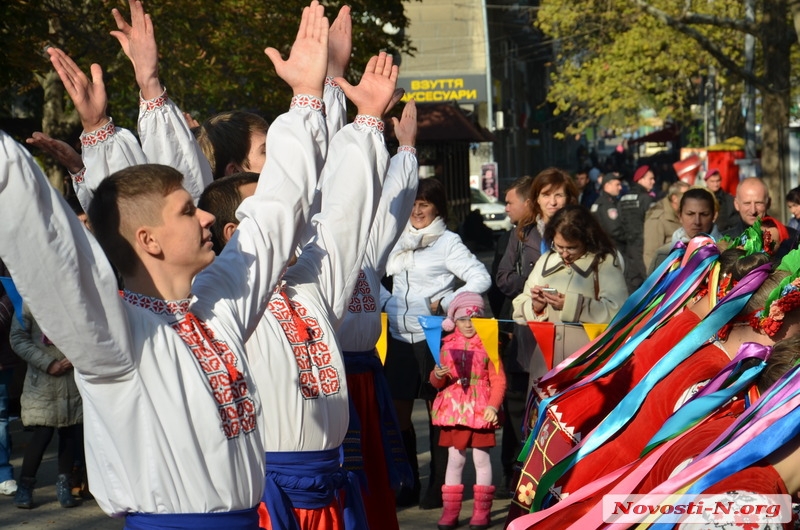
point(493, 212)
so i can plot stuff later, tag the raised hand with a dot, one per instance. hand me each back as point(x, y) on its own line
point(305, 68)
point(88, 96)
point(405, 129)
point(60, 150)
point(372, 94)
point(138, 41)
point(340, 43)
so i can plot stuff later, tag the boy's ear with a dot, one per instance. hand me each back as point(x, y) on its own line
point(145, 240)
point(232, 168)
point(228, 230)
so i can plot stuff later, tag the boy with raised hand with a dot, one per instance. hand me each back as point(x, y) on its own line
point(171, 412)
point(295, 357)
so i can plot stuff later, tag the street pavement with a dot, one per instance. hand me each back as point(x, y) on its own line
point(47, 514)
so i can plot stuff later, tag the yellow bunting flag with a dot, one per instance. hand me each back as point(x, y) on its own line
point(488, 332)
point(593, 330)
point(383, 340)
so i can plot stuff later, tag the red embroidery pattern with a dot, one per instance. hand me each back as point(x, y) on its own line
point(179, 308)
point(237, 411)
point(407, 148)
point(370, 121)
point(77, 178)
point(362, 299)
point(304, 100)
point(329, 81)
point(149, 105)
point(100, 135)
point(311, 353)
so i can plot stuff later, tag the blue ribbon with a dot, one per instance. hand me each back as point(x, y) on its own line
point(13, 294)
point(722, 313)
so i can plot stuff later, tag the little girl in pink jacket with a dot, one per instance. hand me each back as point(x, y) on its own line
point(471, 389)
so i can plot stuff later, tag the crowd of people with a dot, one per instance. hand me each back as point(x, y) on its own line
point(207, 329)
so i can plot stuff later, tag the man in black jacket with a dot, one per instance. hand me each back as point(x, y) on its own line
point(633, 207)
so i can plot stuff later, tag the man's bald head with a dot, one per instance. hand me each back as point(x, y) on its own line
point(752, 200)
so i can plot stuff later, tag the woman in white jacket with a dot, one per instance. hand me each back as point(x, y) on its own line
point(424, 265)
point(579, 280)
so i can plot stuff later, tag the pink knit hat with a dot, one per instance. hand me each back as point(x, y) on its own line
point(465, 304)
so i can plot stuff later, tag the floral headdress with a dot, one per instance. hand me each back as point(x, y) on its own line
point(783, 299)
point(752, 241)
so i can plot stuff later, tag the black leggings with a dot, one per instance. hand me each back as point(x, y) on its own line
point(70, 443)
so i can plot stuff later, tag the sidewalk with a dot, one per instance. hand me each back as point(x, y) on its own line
point(49, 515)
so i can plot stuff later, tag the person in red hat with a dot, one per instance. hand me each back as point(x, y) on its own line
point(633, 207)
point(728, 216)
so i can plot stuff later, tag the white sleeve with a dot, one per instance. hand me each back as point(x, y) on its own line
point(272, 220)
point(60, 270)
point(466, 267)
point(335, 107)
point(394, 208)
point(351, 184)
point(104, 151)
point(167, 139)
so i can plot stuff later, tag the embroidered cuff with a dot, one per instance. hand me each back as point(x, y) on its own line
point(408, 149)
point(370, 122)
point(307, 101)
point(149, 105)
point(77, 178)
point(100, 135)
point(329, 81)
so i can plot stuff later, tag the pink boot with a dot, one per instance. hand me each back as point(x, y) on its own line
point(482, 507)
point(451, 500)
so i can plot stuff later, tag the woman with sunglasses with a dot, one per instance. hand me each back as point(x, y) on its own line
point(580, 279)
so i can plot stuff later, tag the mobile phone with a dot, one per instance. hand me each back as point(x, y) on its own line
point(549, 290)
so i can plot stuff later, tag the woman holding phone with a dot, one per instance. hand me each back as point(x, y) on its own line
point(580, 279)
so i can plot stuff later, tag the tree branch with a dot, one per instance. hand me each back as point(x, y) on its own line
point(704, 42)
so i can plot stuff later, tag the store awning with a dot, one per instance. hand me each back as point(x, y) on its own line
point(445, 122)
point(667, 134)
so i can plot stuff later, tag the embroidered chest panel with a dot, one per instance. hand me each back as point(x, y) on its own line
point(362, 300)
point(311, 352)
point(237, 411)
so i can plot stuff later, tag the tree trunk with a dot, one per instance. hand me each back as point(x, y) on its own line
point(777, 39)
point(56, 122)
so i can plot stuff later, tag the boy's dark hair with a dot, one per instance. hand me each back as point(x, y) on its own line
point(123, 202)
point(221, 198)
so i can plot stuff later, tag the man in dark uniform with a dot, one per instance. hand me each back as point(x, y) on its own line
point(633, 207)
point(606, 210)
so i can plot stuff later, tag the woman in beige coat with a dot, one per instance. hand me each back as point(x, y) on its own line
point(579, 280)
point(50, 401)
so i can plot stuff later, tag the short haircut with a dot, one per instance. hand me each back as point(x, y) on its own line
point(432, 190)
point(677, 189)
point(221, 198)
point(125, 201)
point(523, 188)
point(225, 138)
point(700, 194)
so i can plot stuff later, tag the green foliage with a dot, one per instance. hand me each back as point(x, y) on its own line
point(211, 52)
point(612, 60)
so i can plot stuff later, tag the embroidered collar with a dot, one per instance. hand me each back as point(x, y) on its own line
point(178, 308)
point(553, 264)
